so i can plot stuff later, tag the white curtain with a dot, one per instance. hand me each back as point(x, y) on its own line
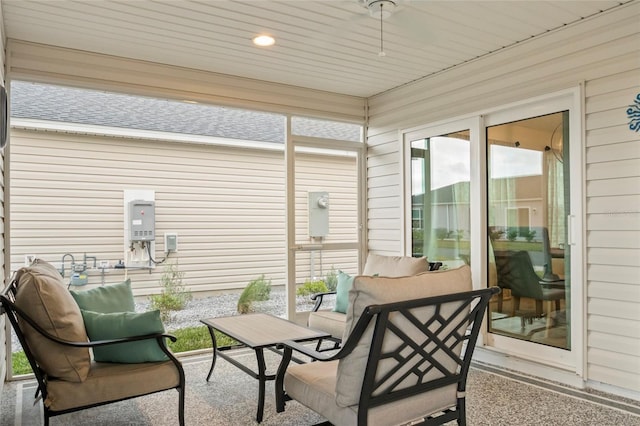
point(555, 199)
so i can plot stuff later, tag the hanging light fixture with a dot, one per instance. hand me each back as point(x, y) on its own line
point(381, 9)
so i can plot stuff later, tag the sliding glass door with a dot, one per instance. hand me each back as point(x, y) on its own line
point(527, 203)
point(440, 177)
point(501, 192)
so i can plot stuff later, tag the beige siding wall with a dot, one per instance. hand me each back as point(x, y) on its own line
point(603, 52)
point(613, 225)
point(227, 204)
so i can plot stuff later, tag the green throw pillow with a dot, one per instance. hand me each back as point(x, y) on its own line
point(125, 324)
point(106, 299)
point(345, 282)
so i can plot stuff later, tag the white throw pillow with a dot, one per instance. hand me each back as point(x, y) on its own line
point(394, 266)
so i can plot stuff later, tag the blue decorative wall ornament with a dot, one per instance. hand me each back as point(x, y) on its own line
point(633, 112)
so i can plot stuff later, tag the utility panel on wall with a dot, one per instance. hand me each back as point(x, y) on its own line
point(139, 228)
point(142, 216)
point(318, 214)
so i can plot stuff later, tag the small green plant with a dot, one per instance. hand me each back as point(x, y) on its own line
point(257, 290)
point(312, 287)
point(331, 280)
point(442, 233)
point(512, 234)
point(173, 296)
point(530, 235)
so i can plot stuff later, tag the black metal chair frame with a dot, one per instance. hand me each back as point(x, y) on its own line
point(515, 272)
point(8, 307)
point(378, 392)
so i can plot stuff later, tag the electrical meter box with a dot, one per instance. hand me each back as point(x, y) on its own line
point(318, 214)
point(142, 217)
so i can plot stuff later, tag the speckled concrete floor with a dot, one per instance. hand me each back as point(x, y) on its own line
point(494, 397)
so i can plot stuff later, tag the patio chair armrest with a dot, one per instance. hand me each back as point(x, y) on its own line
point(290, 346)
point(157, 336)
point(318, 298)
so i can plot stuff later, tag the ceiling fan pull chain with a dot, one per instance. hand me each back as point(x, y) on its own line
point(381, 53)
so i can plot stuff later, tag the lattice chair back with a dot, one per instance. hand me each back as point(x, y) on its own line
point(423, 346)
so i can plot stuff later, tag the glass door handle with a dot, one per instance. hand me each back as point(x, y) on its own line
point(570, 230)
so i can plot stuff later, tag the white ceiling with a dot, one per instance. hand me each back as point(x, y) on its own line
point(329, 45)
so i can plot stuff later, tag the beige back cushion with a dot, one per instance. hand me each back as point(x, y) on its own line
point(394, 266)
point(42, 295)
point(367, 291)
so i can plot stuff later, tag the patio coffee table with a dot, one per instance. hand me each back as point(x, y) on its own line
point(256, 331)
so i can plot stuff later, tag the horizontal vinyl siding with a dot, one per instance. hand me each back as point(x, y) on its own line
point(384, 196)
point(226, 204)
point(43, 63)
point(613, 231)
point(604, 54)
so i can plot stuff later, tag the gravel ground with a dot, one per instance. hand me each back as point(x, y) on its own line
point(214, 306)
point(223, 305)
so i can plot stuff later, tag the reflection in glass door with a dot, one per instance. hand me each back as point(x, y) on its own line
point(528, 203)
point(440, 177)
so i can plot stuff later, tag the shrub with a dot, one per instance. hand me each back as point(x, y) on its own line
point(512, 234)
point(257, 290)
point(442, 233)
point(173, 296)
point(530, 235)
point(312, 287)
point(331, 280)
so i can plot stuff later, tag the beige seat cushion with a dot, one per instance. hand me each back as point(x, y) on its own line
point(379, 290)
point(329, 322)
point(42, 295)
point(314, 384)
point(394, 266)
point(111, 382)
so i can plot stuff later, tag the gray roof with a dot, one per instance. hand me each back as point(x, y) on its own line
point(83, 106)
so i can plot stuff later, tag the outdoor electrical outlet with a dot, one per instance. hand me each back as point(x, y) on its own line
point(170, 242)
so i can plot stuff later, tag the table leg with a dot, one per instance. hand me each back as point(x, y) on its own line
point(279, 384)
point(215, 352)
point(261, 382)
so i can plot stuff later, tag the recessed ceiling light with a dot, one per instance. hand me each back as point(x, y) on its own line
point(264, 40)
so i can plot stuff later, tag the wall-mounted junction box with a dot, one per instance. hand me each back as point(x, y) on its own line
point(170, 242)
point(318, 214)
